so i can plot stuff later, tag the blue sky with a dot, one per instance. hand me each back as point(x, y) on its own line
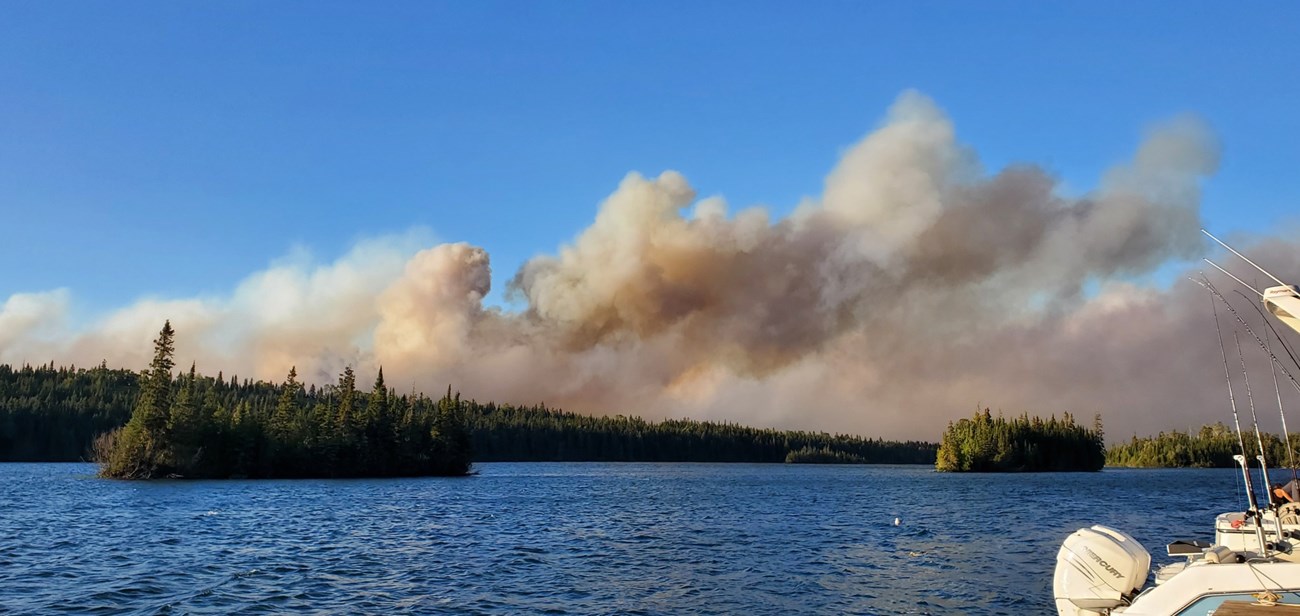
point(171, 149)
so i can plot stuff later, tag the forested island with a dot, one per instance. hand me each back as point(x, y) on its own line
point(260, 429)
point(180, 428)
point(1211, 447)
point(985, 443)
point(822, 455)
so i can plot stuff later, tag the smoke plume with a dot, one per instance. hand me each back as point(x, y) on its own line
point(917, 286)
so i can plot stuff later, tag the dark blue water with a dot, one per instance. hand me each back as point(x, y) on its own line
point(580, 538)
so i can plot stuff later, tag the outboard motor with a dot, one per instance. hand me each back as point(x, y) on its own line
point(1098, 569)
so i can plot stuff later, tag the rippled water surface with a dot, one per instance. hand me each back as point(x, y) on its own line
point(575, 538)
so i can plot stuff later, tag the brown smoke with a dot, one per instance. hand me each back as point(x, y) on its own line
point(916, 287)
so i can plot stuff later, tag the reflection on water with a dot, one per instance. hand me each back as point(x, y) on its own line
point(576, 538)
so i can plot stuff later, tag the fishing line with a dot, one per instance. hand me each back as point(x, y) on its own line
point(1286, 433)
point(1205, 282)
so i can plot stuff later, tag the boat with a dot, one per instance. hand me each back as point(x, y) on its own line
point(1251, 568)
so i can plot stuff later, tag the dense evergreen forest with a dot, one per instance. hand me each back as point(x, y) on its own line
point(53, 414)
point(985, 443)
point(50, 413)
point(184, 428)
point(505, 433)
point(1212, 447)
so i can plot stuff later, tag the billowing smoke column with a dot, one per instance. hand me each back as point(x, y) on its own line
point(915, 288)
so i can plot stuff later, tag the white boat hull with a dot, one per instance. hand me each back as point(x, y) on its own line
point(1202, 587)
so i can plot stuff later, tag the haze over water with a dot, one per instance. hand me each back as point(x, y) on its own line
point(580, 538)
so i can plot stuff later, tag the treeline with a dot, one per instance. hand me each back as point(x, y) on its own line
point(507, 433)
point(200, 427)
point(985, 443)
point(54, 414)
point(1211, 447)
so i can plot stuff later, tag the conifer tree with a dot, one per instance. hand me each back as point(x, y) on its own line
point(184, 425)
point(155, 398)
point(347, 398)
point(374, 427)
point(141, 449)
point(286, 410)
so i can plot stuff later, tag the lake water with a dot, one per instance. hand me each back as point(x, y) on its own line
point(576, 538)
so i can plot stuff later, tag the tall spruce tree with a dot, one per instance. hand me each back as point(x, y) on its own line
point(142, 449)
point(286, 409)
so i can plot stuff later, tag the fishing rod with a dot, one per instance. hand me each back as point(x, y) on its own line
point(1274, 361)
point(1240, 458)
point(1250, 398)
point(1259, 439)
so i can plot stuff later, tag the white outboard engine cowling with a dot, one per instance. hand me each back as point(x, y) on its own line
point(1098, 569)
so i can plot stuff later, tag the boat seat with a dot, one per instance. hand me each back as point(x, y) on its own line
point(1221, 554)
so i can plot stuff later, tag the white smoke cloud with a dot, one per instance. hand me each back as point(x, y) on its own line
point(31, 322)
point(914, 288)
point(427, 314)
point(317, 316)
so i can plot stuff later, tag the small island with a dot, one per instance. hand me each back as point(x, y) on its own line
point(985, 443)
point(180, 429)
point(822, 455)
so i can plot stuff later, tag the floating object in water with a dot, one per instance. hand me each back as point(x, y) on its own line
point(898, 521)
